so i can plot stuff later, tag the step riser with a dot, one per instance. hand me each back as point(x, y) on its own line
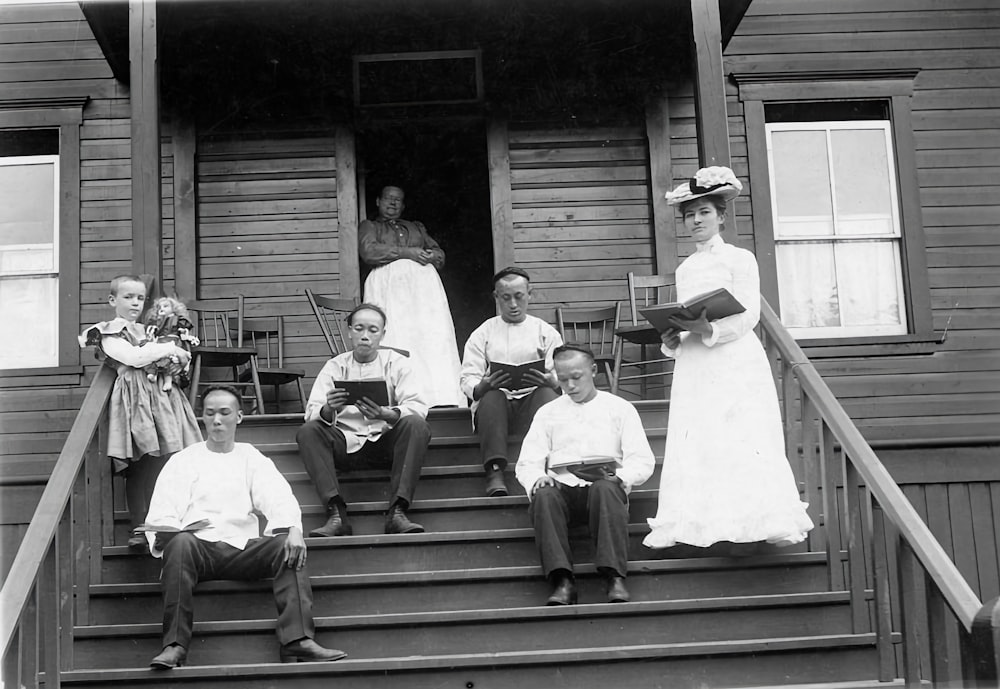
point(400, 557)
point(546, 633)
point(465, 595)
point(805, 666)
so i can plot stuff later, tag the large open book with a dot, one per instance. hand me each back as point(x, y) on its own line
point(375, 390)
point(165, 528)
point(719, 304)
point(517, 372)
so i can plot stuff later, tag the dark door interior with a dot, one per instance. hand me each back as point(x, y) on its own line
point(442, 167)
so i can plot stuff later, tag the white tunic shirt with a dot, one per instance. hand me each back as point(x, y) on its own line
point(404, 394)
point(607, 426)
point(226, 488)
point(509, 343)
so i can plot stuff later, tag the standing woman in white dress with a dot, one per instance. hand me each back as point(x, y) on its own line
point(404, 281)
point(725, 474)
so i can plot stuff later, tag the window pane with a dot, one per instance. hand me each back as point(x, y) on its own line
point(862, 181)
point(870, 289)
point(29, 307)
point(801, 183)
point(807, 285)
point(27, 216)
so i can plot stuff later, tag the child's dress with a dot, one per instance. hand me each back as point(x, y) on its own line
point(142, 418)
point(725, 475)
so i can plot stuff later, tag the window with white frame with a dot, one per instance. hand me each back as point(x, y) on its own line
point(29, 260)
point(837, 231)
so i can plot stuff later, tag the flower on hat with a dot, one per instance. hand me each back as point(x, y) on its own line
point(716, 180)
point(716, 176)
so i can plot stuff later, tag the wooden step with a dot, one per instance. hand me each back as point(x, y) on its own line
point(489, 630)
point(695, 665)
point(471, 588)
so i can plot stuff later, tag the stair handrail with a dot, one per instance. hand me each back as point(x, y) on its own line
point(949, 580)
point(40, 533)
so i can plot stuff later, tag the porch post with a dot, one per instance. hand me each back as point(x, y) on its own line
point(347, 212)
point(709, 84)
point(147, 237)
point(661, 181)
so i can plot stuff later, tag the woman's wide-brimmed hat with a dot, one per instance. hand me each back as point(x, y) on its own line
point(709, 181)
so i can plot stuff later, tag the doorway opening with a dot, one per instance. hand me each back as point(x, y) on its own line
point(443, 168)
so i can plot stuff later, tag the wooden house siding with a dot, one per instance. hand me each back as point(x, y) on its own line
point(951, 389)
point(581, 213)
point(48, 54)
point(268, 228)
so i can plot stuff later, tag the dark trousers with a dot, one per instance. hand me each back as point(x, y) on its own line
point(188, 560)
point(603, 505)
point(323, 450)
point(497, 416)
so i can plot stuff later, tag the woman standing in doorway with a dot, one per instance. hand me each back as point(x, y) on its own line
point(725, 473)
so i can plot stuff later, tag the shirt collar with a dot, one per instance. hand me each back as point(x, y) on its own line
point(710, 245)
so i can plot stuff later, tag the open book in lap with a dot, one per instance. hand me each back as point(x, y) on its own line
point(517, 372)
point(166, 528)
point(718, 303)
point(375, 390)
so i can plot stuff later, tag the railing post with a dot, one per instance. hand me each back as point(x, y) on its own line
point(855, 549)
point(985, 644)
point(913, 614)
point(883, 602)
point(811, 474)
point(49, 610)
point(832, 470)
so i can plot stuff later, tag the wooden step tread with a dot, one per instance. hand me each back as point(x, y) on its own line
point(451, 617)
point(130, 677)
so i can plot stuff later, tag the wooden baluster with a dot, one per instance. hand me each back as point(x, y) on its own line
point(832, 470)
point(855, 549)
point(913, 614)
point(883, 603)
point(29, 640)
point(811, 473)
point(49, 610)
point(943, 641)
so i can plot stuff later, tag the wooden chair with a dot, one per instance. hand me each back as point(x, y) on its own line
point(643, 290)
point(594, 328)
point(222, 347)
point(330, 313)
point(267, 335)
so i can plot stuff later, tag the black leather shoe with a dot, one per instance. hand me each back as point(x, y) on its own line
point(306, 650)
point(170, 657)
point(617, 593)
point(336, 524)
point(396, 521)
point(496, 487)
point(564, 593)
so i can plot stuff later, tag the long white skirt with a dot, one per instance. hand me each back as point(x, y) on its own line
point(725, 474)
point(419, 320)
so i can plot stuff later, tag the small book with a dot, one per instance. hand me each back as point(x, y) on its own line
point(375, 390)
point(164, 528)
point(569, 461)
point(719, 303)
point(517, 372)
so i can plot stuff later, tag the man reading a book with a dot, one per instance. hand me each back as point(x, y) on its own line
point(202, 521)
point(582, 456)
point(500, 404)
point(341, 433)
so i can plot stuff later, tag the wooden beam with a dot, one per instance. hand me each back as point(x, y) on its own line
point(710, 89)
point(760, 197)
point(661, 181)
point(185, 145)
point(147, 237)
point(347, 213)
point(498, 153)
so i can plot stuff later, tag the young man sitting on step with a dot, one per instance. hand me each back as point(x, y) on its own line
point(341, 433)
point(501, 406)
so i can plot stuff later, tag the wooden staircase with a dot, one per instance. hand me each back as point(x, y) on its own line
point(462, 605)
